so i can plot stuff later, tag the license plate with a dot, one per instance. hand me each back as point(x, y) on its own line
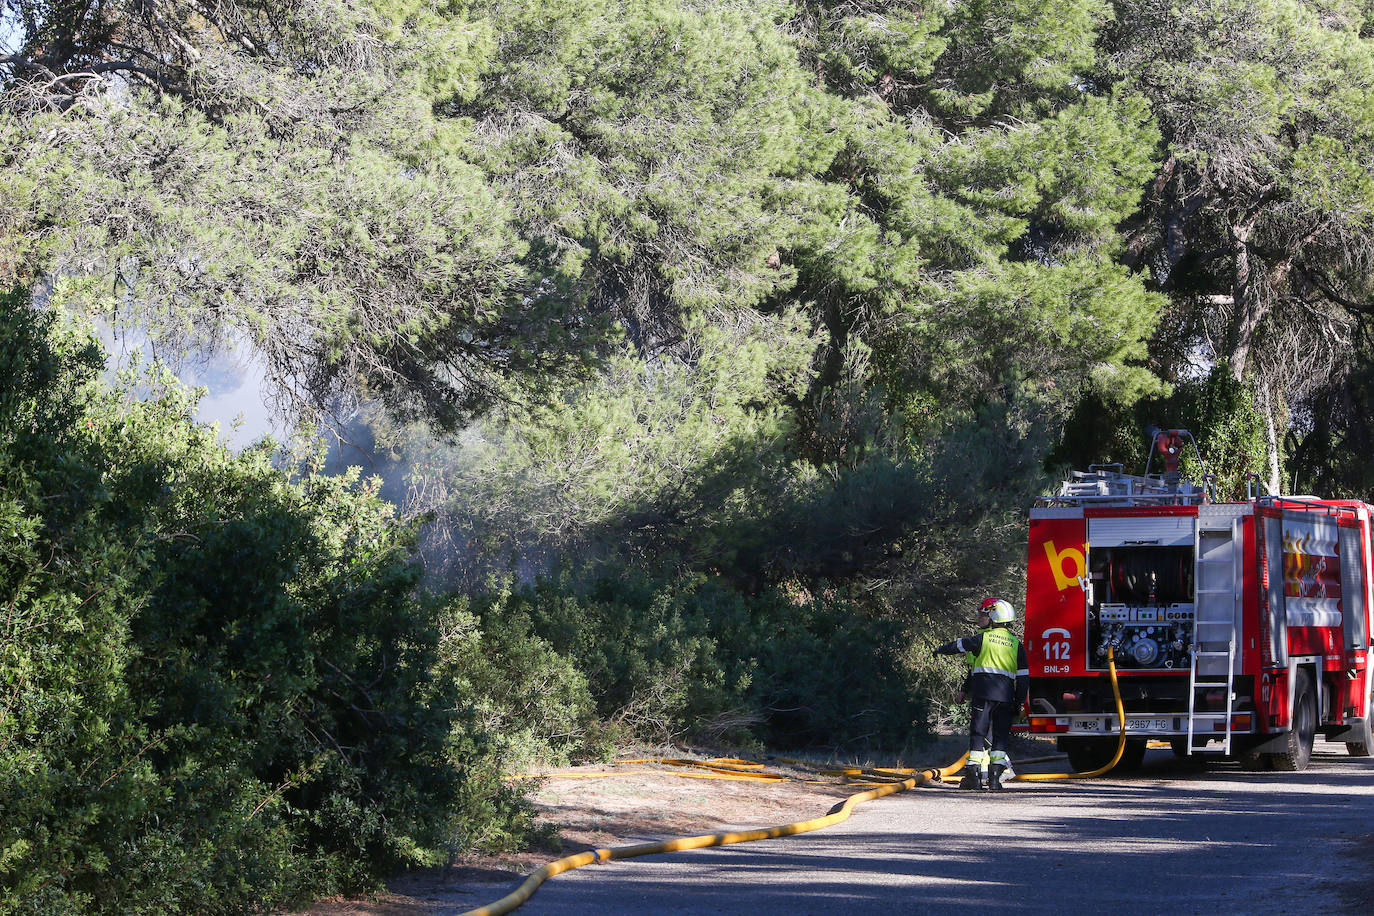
point(1149, 725)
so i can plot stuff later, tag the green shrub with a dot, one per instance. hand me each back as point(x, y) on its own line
point(532, 702)
point(216, 680)
point(667, 658)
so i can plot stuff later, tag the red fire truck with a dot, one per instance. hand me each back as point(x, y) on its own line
point(1238, 628)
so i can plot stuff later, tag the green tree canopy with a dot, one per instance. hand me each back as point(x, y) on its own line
point(1261, 219)
point(258, 171)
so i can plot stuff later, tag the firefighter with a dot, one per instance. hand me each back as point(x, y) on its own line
point(996, 687)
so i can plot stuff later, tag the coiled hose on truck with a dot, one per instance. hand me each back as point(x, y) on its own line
point(836, 814)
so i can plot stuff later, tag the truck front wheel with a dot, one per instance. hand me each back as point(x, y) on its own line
point(1298, 752)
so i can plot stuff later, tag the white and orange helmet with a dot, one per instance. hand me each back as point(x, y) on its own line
point(1000, 611)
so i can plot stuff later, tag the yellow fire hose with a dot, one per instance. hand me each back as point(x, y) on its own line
point(1120, 744)
point(838, 813)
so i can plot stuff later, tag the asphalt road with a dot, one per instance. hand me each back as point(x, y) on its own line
point(1176, 837)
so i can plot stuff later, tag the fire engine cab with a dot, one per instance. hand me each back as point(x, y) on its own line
point(1237, 628)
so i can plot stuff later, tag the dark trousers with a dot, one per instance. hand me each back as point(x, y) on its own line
point(989, 724)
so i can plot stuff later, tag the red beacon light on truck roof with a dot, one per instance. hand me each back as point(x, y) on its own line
point(1169, 444)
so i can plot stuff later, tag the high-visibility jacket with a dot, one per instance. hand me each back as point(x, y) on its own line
point(998, 668)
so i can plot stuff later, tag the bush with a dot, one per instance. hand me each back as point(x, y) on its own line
point(666, 658)
point(216, 688)
point(532, 701)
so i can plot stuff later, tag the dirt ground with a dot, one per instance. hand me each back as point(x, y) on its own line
point(638, 802)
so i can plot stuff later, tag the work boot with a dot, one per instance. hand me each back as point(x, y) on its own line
point(973, 777)
point(995, 777)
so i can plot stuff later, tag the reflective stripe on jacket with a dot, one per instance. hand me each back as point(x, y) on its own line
point(997, 663)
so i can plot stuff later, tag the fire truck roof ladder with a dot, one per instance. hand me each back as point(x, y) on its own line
point(1216, 597)
point(1106, 485)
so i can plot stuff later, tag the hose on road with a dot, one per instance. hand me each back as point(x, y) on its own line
point(839, 813)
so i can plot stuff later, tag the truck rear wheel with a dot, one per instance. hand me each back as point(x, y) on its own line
point(1362, 746)
point(1133, 755)
point(1250, 759)
point(1300, 737)
point(1087, 754)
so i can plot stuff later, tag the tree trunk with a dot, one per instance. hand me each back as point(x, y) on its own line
point(1251, 302)
point(1250, 307)
point(1275, 482)
point(820, 439)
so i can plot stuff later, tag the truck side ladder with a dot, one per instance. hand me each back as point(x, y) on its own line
point(1216, 596)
